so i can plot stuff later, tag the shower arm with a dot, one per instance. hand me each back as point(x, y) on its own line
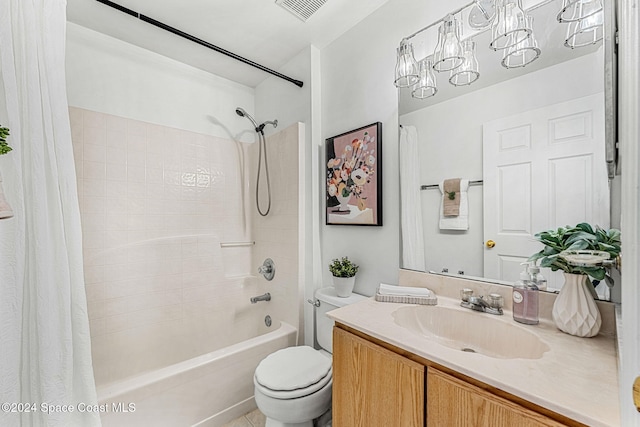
point(260, 128)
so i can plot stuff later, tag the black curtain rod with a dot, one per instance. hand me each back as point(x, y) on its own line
point(198, 41)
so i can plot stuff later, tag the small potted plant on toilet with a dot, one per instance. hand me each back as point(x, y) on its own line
point(344, 276)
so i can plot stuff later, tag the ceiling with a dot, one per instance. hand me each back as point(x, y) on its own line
point(259, 30)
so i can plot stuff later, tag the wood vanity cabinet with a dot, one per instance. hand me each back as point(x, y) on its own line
point(453, 402)
point(373, 386)
point(378, 385)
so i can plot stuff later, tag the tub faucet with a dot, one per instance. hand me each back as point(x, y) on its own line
point(478, 303)
point(264, 297)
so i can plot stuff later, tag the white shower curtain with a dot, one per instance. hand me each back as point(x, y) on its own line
point(45, 347)
point(412, 234)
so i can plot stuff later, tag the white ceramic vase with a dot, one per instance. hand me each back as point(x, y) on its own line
point(344, 285)
point(575, 312)
point(5, 208)
point(344, 202)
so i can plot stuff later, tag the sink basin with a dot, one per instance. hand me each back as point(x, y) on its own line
point(466, 330)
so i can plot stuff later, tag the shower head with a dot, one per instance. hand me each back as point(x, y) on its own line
point(258, 128)
point(242, 113)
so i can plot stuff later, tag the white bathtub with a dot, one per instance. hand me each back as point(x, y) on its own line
point(206, 391)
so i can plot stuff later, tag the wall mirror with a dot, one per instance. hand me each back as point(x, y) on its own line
point(535, 142)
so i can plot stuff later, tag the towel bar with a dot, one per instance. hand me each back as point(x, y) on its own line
point(236, 244)
point(431, 186)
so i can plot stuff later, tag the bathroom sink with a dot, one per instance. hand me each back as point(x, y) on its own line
point(465, 330)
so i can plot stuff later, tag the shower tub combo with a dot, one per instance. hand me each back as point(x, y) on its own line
point(206, 391)
point(175, 339)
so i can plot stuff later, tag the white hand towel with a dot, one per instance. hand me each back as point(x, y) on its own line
point(385, 289)
point(460, 222)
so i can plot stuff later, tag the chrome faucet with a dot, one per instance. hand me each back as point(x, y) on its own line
point(264, 297)
point(478, 303)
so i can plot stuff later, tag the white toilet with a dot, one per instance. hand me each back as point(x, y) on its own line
point(293, 385)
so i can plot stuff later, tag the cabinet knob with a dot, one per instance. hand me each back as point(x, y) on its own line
point(490, 244)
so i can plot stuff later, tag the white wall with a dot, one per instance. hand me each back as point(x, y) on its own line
point(110, 76)
point(357, 89)
point(450, 135)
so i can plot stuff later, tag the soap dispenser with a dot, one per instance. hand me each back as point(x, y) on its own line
point(537, 277)
point(524, 274)
point(525, 299)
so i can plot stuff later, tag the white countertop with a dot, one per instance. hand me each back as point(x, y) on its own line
point(577, 377)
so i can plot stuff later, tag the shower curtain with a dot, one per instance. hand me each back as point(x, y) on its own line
point(412, 235)
point(46, 376)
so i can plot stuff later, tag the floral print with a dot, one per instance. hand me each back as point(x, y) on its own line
point(349, 172)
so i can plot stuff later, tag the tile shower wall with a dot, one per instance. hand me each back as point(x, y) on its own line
point(156, 203)
point(277, 234)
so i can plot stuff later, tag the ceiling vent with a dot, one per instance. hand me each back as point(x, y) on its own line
point(303, 9)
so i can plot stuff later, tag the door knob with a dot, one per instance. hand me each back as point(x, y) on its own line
point(490, 244)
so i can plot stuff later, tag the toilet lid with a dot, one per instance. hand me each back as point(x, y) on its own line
point(293, 369)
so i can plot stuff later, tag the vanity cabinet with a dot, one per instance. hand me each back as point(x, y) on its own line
point(453, 402)
point(378, 385)
point(373, 386)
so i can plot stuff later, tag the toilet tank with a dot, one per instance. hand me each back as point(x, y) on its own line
point(329, 300)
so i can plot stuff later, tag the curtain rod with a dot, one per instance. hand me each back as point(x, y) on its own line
point(198, 41)
point(431, 186)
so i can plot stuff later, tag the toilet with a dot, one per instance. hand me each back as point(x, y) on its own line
point(293, 385)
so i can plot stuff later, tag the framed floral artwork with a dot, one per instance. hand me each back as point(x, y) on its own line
point(354, 177)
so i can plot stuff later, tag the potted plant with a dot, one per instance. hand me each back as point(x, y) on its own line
point(579, 252)
point(344, 276)
point(5, 208)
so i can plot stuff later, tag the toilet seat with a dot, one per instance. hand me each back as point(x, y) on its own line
point(293, 372)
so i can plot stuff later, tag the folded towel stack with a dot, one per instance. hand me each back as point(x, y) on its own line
point(405, 295)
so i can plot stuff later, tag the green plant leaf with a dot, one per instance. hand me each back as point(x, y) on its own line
point(580, 236)
point(578, 246)
point(585, 227)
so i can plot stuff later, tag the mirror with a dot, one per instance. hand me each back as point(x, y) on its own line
point(532, 142)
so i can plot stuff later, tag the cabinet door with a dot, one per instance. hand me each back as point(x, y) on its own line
point(374, 387)
point(453, 402)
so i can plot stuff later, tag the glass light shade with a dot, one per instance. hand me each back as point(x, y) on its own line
point(426, 86)
point(482, 14)
point(575, 10)
point(587, 31)
point(524, 53)
point(406, 66)
point(468, 72)
point(448, 53)
point(510, 25)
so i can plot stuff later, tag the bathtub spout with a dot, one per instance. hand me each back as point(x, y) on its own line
point(265, 297)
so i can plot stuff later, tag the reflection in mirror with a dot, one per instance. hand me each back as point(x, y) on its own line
point(528, 144)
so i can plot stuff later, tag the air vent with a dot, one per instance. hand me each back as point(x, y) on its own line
point(303, 9)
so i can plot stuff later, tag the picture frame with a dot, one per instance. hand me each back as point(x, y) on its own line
point(354, 177)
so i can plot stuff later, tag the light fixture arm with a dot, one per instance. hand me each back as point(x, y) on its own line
point(439, 21)
point(455, 12)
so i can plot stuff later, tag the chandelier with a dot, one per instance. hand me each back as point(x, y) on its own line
point(512, 34)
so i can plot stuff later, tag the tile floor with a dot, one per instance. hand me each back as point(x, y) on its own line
point(252, 419)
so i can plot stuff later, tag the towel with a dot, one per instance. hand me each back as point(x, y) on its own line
point(451, 205)
point(409, 291)
point(460, 222)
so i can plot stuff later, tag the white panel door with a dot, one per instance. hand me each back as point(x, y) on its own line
point(542, 169)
